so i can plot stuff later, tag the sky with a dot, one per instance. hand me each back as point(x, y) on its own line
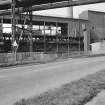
point(62, 12)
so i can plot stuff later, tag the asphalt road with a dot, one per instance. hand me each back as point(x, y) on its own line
point(27, 81)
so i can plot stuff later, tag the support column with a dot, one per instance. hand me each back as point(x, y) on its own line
point(70, 12)
point(13, 22)
point(14, 44)
point(57, 38)
point(30, 27)
point(68, 39)
point(1, 31)
point(86, 35)
point(44, 38)
point(79, 37)
point(1, 27)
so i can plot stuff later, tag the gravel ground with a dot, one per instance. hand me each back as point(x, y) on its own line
point(77, 92)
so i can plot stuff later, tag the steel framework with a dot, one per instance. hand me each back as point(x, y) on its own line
point(16, 9)
point(51, 6)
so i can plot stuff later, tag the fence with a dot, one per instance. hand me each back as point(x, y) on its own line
point(10, 58)
point(27, 57)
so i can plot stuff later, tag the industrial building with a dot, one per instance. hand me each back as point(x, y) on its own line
point(36, 33)
point(49, 34)
point(97, 30)
point(97, 26)
point(54, 34)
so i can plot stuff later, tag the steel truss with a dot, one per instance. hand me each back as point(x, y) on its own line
point(14, 24)
point(16, 11)
point(52, 6)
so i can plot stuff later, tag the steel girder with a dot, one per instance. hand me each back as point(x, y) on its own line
point(52, 6)
point(46, 4)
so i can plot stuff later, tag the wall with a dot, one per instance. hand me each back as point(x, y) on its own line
point(9, 58)
point(98, 48)
point(97, 26)
point(98, 21)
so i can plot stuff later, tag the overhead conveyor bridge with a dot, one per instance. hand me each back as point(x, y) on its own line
point(36, 5)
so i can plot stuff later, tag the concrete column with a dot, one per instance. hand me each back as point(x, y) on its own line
point(70, 12)
point(13, 30)
point(13, 20)
point(1, 27)
point(86, 41)
point(68, 38)
point(44, 38)
point(57, 47)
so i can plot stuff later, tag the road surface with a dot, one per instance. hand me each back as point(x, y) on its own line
point(27, 81)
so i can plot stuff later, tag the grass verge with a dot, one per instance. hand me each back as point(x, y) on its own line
point(75, 93)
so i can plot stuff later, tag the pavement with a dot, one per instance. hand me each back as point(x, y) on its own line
point(98, 100)
point(31, 80)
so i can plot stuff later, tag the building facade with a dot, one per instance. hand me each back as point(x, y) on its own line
point(54, 34)
point(97, 26)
